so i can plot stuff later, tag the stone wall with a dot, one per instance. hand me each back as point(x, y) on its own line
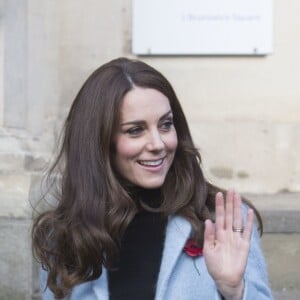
point(244, 112)
point(29, 106)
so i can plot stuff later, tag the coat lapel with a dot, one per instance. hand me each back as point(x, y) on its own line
point(177, 232)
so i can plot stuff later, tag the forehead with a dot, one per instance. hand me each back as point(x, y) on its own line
point(140, 103)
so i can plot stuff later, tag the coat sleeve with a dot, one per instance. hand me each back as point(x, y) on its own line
point(256, 276)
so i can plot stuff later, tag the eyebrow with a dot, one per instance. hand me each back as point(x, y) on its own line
point(138, 122)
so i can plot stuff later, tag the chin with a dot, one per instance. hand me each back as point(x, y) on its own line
point(151, 185)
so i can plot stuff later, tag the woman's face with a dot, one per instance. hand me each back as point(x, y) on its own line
point(146, 139)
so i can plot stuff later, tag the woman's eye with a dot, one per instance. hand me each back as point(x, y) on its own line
point(134, 131)
point(167, 125)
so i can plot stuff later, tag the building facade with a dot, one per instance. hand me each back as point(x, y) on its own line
point(244, 111)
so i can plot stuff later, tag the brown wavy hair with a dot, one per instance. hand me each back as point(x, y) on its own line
point(82, 233)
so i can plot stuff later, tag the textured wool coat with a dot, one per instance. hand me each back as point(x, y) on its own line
point(182, 277)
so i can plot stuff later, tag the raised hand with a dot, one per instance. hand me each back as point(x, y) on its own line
point(226, 245)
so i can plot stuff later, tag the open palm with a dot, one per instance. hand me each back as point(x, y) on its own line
point(225, 250)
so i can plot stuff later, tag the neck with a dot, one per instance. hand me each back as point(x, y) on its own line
point(149, 197)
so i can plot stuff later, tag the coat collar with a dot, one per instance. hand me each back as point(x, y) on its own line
point(177, 232)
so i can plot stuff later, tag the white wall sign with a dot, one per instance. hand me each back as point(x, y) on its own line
point(202, 27)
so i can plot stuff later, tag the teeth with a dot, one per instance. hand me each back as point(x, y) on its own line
point(151, 163)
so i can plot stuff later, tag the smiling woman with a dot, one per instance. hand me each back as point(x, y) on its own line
point(146, 141)
point(132, 199)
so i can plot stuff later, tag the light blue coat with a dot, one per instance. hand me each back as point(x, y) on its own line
point(182, 277)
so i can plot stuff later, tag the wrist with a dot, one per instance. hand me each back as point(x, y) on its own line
point(232, 292)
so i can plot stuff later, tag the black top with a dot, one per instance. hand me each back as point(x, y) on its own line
point(136, 272)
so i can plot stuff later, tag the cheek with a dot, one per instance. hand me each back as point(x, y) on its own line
point(126, 149)
point(172, 142)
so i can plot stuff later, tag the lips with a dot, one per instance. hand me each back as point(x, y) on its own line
point(151, 163)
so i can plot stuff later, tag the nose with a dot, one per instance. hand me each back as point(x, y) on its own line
point(155, 141)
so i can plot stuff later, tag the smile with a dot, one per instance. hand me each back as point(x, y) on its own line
point(151, 163)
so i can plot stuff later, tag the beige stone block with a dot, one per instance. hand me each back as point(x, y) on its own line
point(16, 282)
point(282, 252)
point(20, 150)
point(96, 40)
point(1, 67)
point(280, 212)
point(11, 162)
point(14, 189)
point(8, 143)
point(254, 157)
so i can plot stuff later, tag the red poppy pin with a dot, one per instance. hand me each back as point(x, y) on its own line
point(192, 249)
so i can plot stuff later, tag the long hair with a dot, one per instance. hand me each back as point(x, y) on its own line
point(81, 234)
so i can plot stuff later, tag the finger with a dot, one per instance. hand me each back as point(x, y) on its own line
point(249, 225)
point(237, 212)
point(229, 209)
point(209, 235)
point(220, 212)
